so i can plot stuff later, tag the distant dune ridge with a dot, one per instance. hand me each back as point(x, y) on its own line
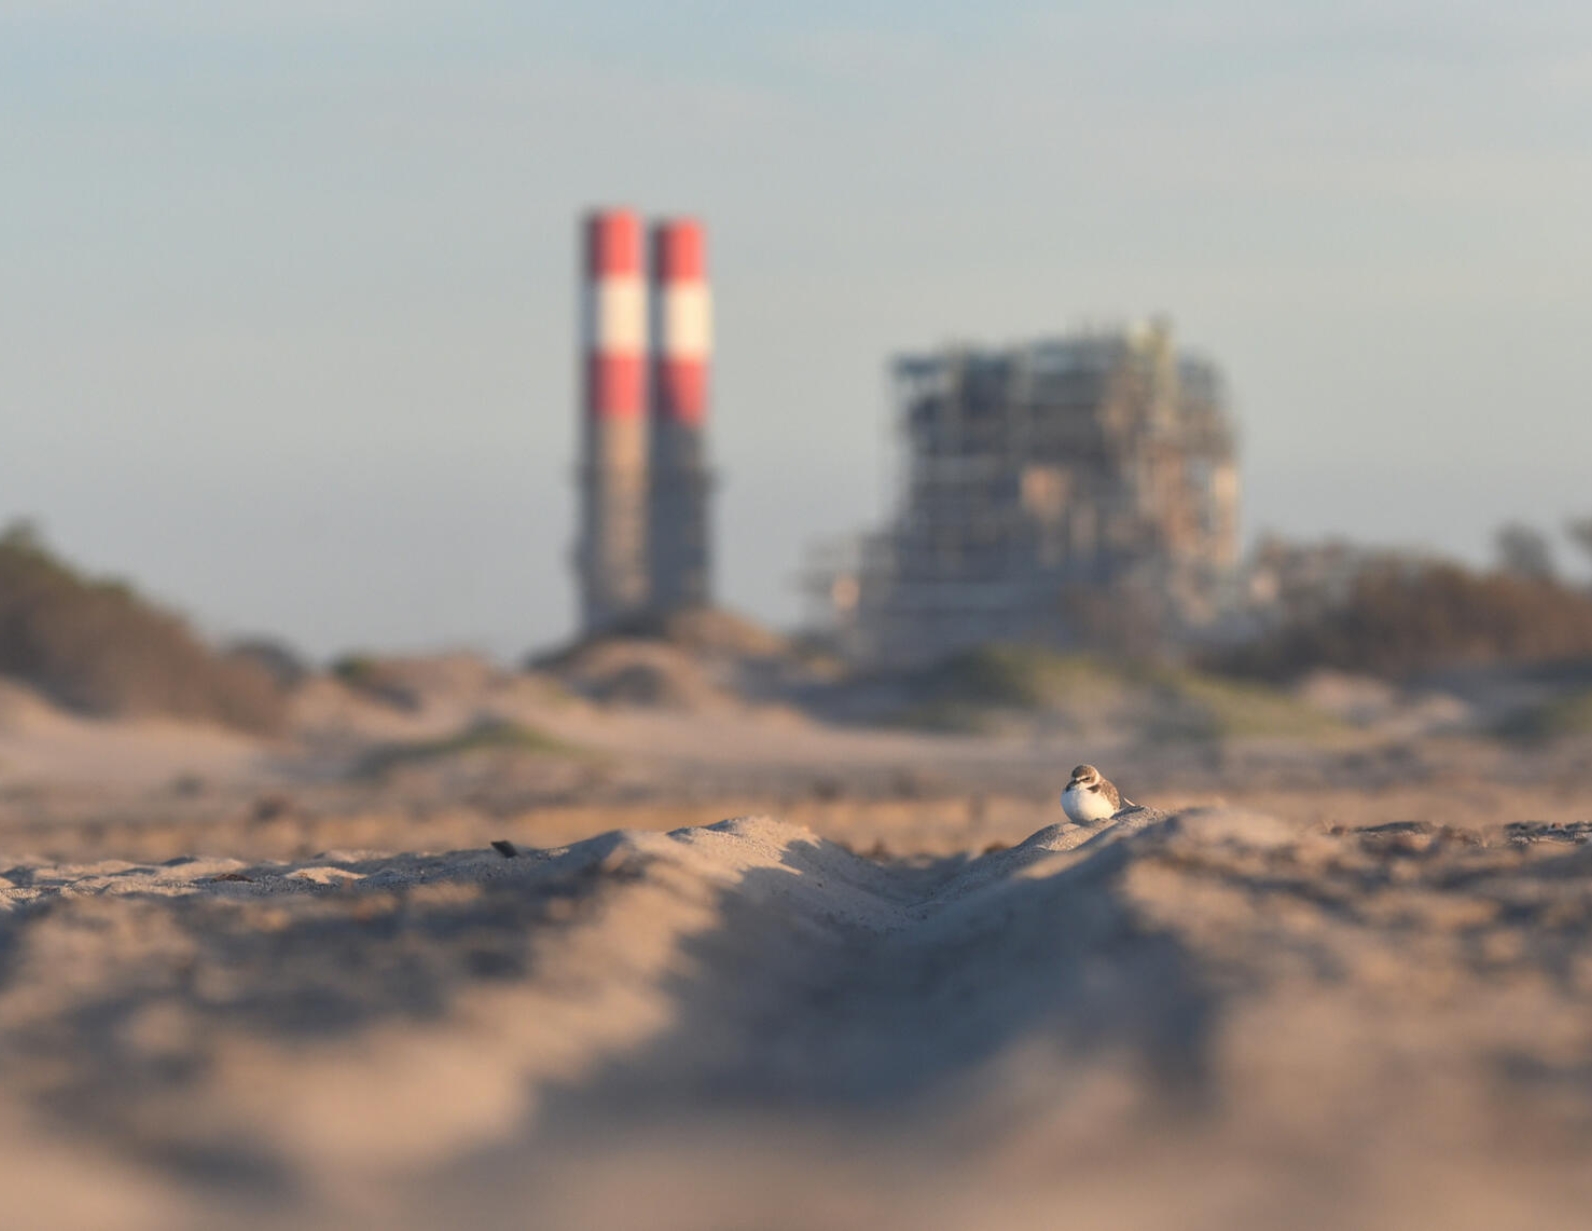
point(1493, 653)
point(1206, 1017)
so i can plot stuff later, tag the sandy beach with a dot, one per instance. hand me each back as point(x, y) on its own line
point(486, 948)
point(1214, 1018)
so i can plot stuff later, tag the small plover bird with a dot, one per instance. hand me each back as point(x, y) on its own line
point(1090, 797)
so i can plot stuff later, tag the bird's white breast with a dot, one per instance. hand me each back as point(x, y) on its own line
point(1083, 806)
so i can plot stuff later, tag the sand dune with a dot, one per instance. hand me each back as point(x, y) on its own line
point(40, 742)
point(1210, 1019)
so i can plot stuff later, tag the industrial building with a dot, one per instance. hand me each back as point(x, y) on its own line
point(644, 479)
point(679, 480)
point(1081, 490)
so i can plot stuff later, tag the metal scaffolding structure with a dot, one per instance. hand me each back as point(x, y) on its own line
point(1060, 492)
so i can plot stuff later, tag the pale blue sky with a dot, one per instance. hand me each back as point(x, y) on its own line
point(288, 319)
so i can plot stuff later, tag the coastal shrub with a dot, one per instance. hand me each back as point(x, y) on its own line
point(1197, 705)
point(1402, 621)
point(1559, 718)
point(1013, 676)
point(486, 735)
point(978, 689)
point(97, 647)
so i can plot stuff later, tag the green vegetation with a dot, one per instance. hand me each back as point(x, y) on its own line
point(1564, 716)
point(1194, 705)
point(970, 691)
point(1019, 677)
point(376, 680)
point(97, 647)
point(488, 735)
point(357, 670)
point(979, 689)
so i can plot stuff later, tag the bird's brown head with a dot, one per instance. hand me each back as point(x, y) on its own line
point(1085, 774)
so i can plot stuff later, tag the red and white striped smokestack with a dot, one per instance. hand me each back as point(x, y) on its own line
point(615, 325)
point(611, 557)
point(682, 350)
point(683, 323)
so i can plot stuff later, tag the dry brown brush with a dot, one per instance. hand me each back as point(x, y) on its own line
point(1400, 620)
point(97, 647)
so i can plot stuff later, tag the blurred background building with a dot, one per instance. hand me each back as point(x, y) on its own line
point(1080, 490)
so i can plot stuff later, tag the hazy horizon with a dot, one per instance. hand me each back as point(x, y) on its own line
point(290, 320)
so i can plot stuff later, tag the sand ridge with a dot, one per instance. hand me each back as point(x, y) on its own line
point(722, 1021)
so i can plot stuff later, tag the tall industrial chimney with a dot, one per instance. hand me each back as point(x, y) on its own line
point(682, 342)
point(611, 555)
